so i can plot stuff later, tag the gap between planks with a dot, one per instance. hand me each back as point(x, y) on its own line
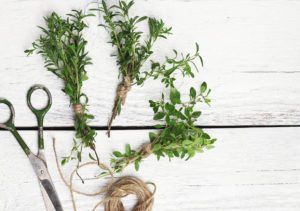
point(103, 128)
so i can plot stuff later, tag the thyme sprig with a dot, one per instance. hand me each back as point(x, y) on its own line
point(179, 62)
point(63, 48)
point(179, 137)
point(131, 52)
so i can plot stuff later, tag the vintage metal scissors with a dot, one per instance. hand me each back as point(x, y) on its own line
point(38, 161)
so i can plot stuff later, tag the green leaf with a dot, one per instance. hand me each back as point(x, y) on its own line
point(119, 106)
point(117, 154)
point(152, 136)
point(175, 96)
point(91, 157)
point(196, 114)
point(79, 156)
point(203, 87)
point(209, 146)
point(158, 126)
point(187, 142)
point(137, 165)
point(159, 115)
point(141, 19)
point(156, 147)
point(63, 161)
point(84, 77)
point(197, 47)
point(192, 93)
point(205, 136)
point(128, 150)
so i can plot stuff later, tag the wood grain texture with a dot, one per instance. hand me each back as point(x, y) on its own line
point(251, 51)
point(250, 169)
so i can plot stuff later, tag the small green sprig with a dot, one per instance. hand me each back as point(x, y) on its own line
point(179, 137)
point(63, 48)
point(131, 52)
point(179, 62)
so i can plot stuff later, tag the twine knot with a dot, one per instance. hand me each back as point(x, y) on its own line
point(78, 108)
point(124, 88)
point(147, 149)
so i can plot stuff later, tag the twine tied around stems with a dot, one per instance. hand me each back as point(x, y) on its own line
point(78, 108)
point(146, 150)
point(115, 190)
point(123, 88)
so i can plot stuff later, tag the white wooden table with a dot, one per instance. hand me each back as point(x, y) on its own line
point(251, 51)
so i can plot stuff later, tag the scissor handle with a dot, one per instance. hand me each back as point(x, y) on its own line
point(9, 124)
point(40, 113)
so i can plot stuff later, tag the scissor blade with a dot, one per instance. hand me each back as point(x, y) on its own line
point(49, 194)
point(51, 199)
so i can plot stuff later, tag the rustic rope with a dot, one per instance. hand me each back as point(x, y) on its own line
point(124, 187)
point(78, 108)
point(115, 190)
point(123, 88)
point(147, 150)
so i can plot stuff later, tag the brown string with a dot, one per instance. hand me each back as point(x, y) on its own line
point(115, 190)
point(123, 88)
point(124, 187)
point(146, 150)
point(78, 108)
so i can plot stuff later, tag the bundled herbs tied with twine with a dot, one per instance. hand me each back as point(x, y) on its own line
point(63, 48)
point(179, 136)
point(132, 52)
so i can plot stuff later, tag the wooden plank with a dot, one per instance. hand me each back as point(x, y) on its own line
point(250, 169)
point(251, 51)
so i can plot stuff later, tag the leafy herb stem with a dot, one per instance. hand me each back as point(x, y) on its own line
point(178, 137)
point(63, 48)
point(131, 51)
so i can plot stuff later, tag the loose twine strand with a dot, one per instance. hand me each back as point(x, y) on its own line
point(123, 88)
point(115, 190)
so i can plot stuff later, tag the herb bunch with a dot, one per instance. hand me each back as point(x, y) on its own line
point(132, 52)
point(63, 48)
point(179, 137)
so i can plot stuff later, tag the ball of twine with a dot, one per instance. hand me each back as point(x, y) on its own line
point(115, 190)
point(129, 186)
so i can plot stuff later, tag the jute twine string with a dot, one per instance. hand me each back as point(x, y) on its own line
point(115, 190)
point(123, 88)
point(78, 108)
point(146, 150)
point(124, 187)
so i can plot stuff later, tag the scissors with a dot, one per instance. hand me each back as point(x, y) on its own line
point(38, 162)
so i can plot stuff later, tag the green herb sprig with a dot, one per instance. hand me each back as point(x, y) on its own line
point(132, 52)
point(179, 62)
point(63, 48)
point(179, 137)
